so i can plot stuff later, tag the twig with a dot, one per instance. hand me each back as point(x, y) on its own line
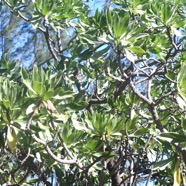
point(27, 156)
point(164, 96)
point(60, 48)
point(49, 44)
point(134, 89)
point(170, 38)
point(63, 161)
point(149, 177)
point(149, 82)
point(156, 119)
point(61, 140)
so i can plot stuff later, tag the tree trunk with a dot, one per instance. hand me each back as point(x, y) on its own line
point(115, 176)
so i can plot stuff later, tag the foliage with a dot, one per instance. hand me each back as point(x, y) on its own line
point(108, 108)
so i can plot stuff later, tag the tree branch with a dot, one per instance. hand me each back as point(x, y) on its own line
point(49, 44)
point(44, 143)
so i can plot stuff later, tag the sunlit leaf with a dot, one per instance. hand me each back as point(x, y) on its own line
point(11, 139)
point(177, 174)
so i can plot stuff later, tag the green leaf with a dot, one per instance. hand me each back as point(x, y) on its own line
point(38, 5)
point(43, 127)
point(177, 173)
point(35, 73)
point(137, 50)
point(28, 85)
point(78, 125)
point(181, 81)
point(183, 123)
point(181, 102)
point(6, 103)
point(48, 95)
point(161, 165)
point(64, 94)
point(30, 109)
point(109, 21)
point(130, 56)
point(100, 53)
point(46, 8)
point(120, 25)
point(154, 9)
point(106, 155)
point(175, 137)
point(165, 13)
point(89, 38)
point(139, 132)
point(38, 87)
point(24, 74)
point(77, 106)
point(93, 145)
point(26, 80)
point(172, 13)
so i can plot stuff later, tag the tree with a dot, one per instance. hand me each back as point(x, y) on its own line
point(108, 107)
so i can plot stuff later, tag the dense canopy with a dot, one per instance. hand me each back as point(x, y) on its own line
point(92, 93)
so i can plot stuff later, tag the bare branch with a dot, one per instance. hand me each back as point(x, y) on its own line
point(44, 143)
point(60, 48)
point(49, 44)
